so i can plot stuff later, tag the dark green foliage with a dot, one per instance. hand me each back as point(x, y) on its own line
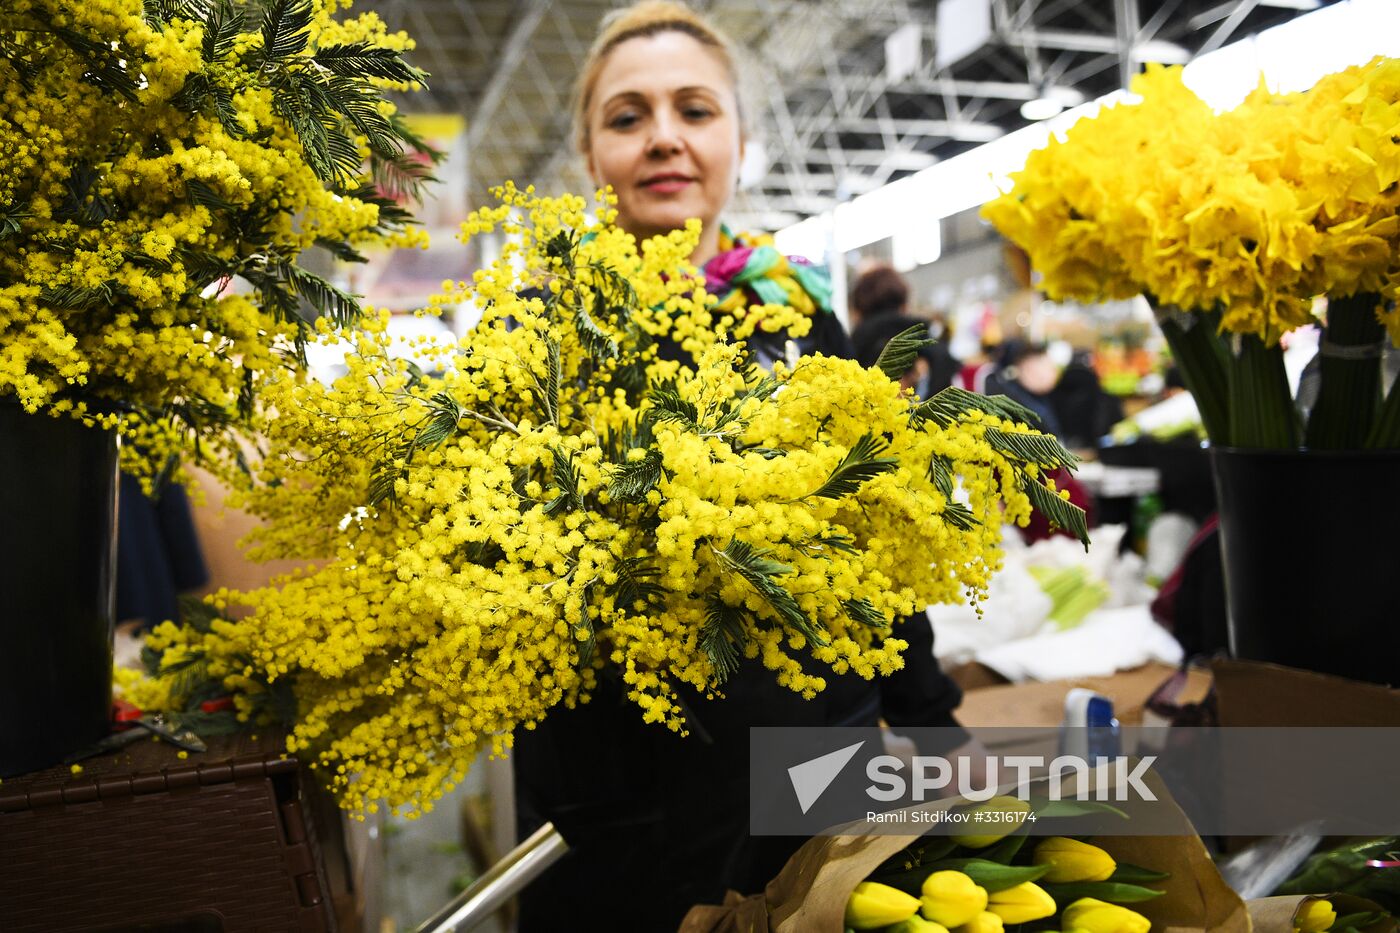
point(636, 583)
point(722, 637)
point(631, 481)
point(668, 405)
point(566, 481)
point(863, 612)
point(1060, 513)
point(861, 463)
point(953, 404)
point(899, 354)
point(762, 572)
point(284, 27)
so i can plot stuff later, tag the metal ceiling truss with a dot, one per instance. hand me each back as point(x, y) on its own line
point(833, 122)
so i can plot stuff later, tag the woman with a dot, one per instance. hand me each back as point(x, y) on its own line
point(657, 822)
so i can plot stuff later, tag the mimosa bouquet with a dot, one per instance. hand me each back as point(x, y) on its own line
point(596, 481)
point(165, 166)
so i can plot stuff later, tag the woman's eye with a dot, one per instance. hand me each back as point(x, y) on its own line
point(697, 113)
point(622, 121)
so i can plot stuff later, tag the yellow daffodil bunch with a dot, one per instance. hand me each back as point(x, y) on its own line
point(595, 482)
point(1235, 221)
point(1254, 211)
point(164, 167)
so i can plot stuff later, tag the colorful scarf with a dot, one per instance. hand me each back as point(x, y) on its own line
point(749, 268)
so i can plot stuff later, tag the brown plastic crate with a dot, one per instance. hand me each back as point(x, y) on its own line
point(141, 840)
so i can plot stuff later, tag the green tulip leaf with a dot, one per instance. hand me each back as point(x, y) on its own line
point(1136, 874)
point(1111, 891)
point(1357, 921)
point(992, 876)
point(1004, 851)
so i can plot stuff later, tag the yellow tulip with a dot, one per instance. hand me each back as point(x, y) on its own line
point(998, 827)
point(874, 905)
point(952, 898)
point(1095, 916)
point(1314, 917)
point(1023, 903)
point(1071, 860)
point(917, 924)
point(985, 922)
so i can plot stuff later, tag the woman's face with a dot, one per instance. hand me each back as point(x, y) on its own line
point(663, 130)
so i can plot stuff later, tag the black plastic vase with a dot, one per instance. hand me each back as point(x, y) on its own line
point(58, 545)
point(1311, 544)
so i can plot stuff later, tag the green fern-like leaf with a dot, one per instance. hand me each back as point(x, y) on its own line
point(899, 354)
point(106, 66)
point(585, 631)
point(940, 473)
point(221, 28)
point(959, 516)
point(341, 306)
point(1030, 446)
point(761, 572)
point(341, 250)
point(631, 481)
point(284, 29)
point(861, 463)
point(1059, 512)
point(863, 612)
point(546, 393)
point(722, 637)
point(20, 59)
point(636, 584)
point(79, 298)
point(363, 60)
point(203, 194)
point(598, 342)
point(836, 541)
point(952, 404)
point(668, 405)
point(158, 12)
point(443, 418)
point(566, 481)
point(402, 176)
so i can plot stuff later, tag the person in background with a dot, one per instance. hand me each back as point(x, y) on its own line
point(658, 822)
point(1085, 411)
point(880, 310)
point(1028, 375)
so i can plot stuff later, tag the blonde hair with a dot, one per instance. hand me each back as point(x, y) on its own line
point(644, 19)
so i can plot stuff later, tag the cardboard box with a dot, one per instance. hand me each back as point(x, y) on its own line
point(1252, 693)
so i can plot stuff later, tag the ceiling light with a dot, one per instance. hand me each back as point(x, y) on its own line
point(1041, 108)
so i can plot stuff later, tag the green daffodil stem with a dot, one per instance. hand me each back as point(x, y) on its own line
point(1198, 350)
point(1261, 407)
point(1350, 392)
point(1385, 433)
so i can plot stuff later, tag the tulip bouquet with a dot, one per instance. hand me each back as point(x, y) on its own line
point(1232, 224)
point(984, 883)
point(1031, 872)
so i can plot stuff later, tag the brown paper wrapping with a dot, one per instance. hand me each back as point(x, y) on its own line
point(1275, 914)
point(810, 893)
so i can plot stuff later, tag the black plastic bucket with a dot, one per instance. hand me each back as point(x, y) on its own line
point(1311, 543)
point(58, 545)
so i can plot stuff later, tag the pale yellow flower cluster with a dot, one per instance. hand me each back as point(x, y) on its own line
point(1254, 211)
point(554, 502)
point(113, 206)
